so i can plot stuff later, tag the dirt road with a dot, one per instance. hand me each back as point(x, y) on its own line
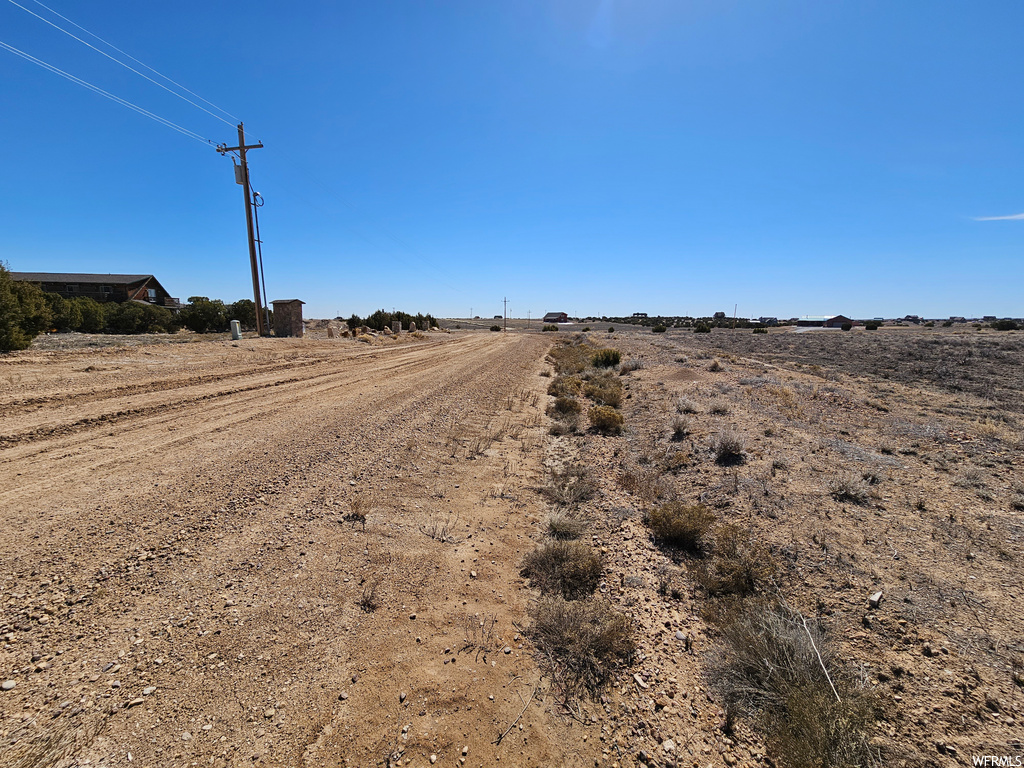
point(180, 585)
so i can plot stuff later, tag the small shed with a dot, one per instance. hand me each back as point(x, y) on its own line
point(288, 317)
point(556, 317)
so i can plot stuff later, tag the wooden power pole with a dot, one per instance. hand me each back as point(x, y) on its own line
point(505, 316)
point(242, 177)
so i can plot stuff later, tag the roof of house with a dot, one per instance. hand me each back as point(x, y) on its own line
point(74, 277)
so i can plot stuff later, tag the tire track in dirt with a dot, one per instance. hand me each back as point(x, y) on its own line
point(207, 414)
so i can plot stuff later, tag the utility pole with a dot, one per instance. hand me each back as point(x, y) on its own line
point(527, 319)
point(242, 177)
point(505, 316)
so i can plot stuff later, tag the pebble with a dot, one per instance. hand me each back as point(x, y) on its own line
point(342, 696)
point(668, 745)
point(680, 635)
point(8, 685)
point(507, 650)
point(269, 712)
point(134, 703)
point(149, 691)
point(875, 600)
point(433, 759)
point(401, 696)
point(472, 574)
point(465, 750)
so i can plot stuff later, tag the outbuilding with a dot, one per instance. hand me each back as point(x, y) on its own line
point(556, 317)
point(288, 317)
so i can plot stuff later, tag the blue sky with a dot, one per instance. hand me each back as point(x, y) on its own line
point(596, 157)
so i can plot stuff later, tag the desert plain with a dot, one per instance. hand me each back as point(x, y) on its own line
point(309, 552)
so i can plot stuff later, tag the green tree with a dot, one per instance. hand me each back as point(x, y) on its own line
point(244, 311)
point(24, 313)
point(65, 313)
point(203, 315)
point(94, 315)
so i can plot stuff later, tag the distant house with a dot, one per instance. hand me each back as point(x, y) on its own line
point(556, 317)
point(823, 321)
point(639, 314)
point(838, 321)
point(144, 288)
point(769, 321)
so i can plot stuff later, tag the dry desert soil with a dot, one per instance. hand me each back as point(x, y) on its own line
point(308, 552)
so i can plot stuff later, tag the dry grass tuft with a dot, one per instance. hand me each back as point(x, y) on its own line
point(681, 525)
point(582, 642)
point(739, 564)
point(571, 569)
point(681, 427)
point(566, 525)
point(605, 358)
point(570, 485)
point(729, 447)
point(686, 405)
point(605, 419)
point(604, 389)
point(851, 488)
point(777, 669)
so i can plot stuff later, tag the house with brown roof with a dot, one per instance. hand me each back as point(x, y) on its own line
point(119, 288)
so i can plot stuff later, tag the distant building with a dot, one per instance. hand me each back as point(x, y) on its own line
point(823, 321)
point(639, 314)
point(916, 319)
point(556, 317)
point(719, 316)
point(70, 285)
point(769, 321)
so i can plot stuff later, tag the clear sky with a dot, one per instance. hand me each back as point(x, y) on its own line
point(589, 156)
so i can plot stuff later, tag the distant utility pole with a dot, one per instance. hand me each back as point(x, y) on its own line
point(242, 177)
point(527, 319)
point(505, 315)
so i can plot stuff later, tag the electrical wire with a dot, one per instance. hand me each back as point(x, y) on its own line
point(140, 63)
point(106, 94)
point(117, 61)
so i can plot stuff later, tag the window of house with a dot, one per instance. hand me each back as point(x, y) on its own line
point(71, 288)
point(151, 294)
point(106, 290)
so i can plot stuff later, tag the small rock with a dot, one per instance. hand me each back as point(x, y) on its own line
point(401, 697)
point(507, 650)
point(875, 600)
point(134, 703)
point(342, 696)
point(433, 759)
point(668, 745)
point(993, 703)
point(640, 681)
point(207, 727)
point(472, 574)
point(7, 685)
point(269, 712)
point(927, 650)
point(412, 616)
point(149, 691)
point(115, 684)
point(680, 635)
point(465, 750)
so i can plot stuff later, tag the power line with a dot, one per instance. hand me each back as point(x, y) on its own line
point(106, 94)
point(140, 63)
point(117, 61)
